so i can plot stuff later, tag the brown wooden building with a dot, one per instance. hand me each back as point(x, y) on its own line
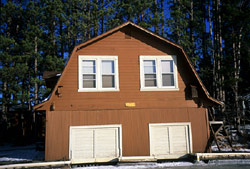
point(126, 93)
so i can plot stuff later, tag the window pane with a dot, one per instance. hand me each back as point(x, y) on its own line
point(150, 82)
point(150, 73)
point(167, 80)
point(149, 62)
point(88, 69)
point(88, 66)
point(167, 66)
point(108, 81)
point(108, 67)
point(89, 84)
point(89, 77)
point(149, 66)
point(89, 63)
point(148, 69)
point(150, 76)
point(88, 81)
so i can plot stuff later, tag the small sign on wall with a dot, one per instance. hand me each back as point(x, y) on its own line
point(130, 104)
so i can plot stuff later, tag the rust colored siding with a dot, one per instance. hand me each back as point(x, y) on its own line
point(75, 108)
point(135, 128)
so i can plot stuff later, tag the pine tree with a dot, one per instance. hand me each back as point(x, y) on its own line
point(236, 35)
point(181, 26)
point(155, 19)
point(205, 49)
point(12, 67)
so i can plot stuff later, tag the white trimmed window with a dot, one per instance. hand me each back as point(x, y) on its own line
point(158, 73)
point(97, 73)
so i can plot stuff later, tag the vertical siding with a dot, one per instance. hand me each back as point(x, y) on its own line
point(57, 128)
point(135, 129)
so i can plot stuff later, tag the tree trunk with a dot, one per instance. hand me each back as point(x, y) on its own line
point(96, 19)
point(53, 37)
point(218, 55)
point(204, 39)
point(142, 16)
point(35, 71)
point(212, 49)
point(155, 15)
point(88, 23)
point(4, 106)
point(62, 40)
point(177, 33)
point(102, 18)
point(191, 21)
point(236, 60)
point(28, 93)
point(162, 19)
point(222, 91)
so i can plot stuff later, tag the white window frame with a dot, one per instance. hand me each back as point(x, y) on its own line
point(159, 86)
point(98, 63)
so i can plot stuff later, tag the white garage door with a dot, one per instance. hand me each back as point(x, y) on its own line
point(95, 143)
point(170, 140)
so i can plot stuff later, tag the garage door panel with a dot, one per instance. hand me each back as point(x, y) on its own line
point(160, 140)
point(178, 136)
point(106, 143)
point(81, 144)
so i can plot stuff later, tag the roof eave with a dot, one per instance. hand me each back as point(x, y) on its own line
point(40, 105)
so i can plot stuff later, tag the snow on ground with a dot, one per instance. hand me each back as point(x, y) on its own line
point(213, 164)
point(237, 148)
point(139, 165)
point(18, 154)
point(10, 153)
point(231, 162)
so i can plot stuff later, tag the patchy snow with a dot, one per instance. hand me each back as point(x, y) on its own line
point(236, 146)
point(20, 153)
point(12, 159)
point(171, 164)
point(47, 98)
point(226, 149)
point(225, 164)
point(139, 165)
point(229, 162)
